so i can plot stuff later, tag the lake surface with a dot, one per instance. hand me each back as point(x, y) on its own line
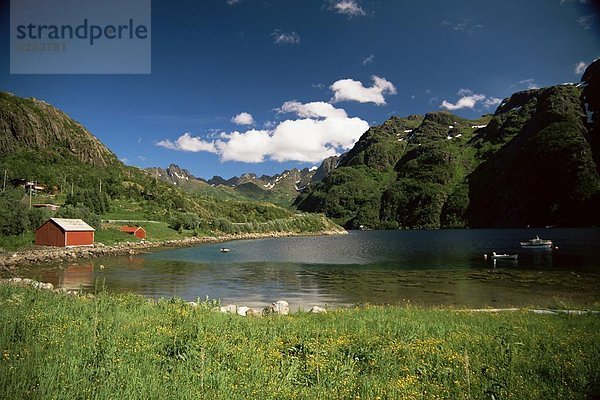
point(436, 267)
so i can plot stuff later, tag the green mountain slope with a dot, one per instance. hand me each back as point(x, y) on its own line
point(397, 174)
point(534, 162)
point(538, 167)
point(36, 125)
point(42, 144)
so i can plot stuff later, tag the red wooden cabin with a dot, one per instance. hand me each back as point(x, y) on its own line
point(136, 231)
point(64, 232)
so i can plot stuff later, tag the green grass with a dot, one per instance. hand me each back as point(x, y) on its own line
point(155, 231)
point(126, 209)
point(18, 242)
point(124, 346)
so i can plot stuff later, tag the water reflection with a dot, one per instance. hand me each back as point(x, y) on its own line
point(422, 267)
point(76, 277)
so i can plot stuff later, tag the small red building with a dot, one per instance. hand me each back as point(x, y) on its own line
point(63, 232)
point(136, 231)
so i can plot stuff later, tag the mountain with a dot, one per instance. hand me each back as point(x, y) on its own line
point(279, 189)
point(328, 165)
point(174, 174)
point(41, 143)
point(535, 149)
point(35, 125)
point(534, 162)
point(395, 173)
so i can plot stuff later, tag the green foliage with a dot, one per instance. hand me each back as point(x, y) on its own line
point(14, 218)
point(126, 347)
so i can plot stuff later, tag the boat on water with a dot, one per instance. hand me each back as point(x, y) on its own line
point(504, 256)
point(224, 250)
point(536, 243)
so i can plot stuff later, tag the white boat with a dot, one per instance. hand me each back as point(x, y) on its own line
point(225, 250)
point(536, 243)
point(504, 256)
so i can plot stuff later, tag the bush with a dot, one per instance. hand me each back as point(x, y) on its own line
point(13, 214)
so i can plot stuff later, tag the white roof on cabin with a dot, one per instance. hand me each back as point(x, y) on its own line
point(70, 225)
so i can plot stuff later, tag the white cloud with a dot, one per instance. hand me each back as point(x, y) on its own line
point(580, 67)
point(469, 99)
point(529, 83)
point(251, 146)
point(280, 37)
point(316, 109)
point(186, 142)
point(321, 131)
point(351, 90)
point(368, 60)
point(243, 118)
point(351, 8)
point(491, 101)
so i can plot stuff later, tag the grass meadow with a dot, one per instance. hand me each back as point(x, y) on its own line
point(112, 346)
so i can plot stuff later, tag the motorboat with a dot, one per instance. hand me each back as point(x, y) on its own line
point(504, 256)
point(536, 243)
point(225, 250)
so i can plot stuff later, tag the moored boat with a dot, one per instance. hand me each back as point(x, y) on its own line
point(536, 243)
point(504, 256)
point(225, 250)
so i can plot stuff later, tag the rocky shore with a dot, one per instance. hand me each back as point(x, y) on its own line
point(279, 307)
point(42, 254)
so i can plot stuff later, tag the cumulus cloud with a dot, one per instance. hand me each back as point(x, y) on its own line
point(243, 118)
point(351, 90)
point(187, 142)
point(280, 37)
point(351, 8)
point(315, 109)
point(580, 67)
point(320, 131)
point(251, 146)
point(469, 100)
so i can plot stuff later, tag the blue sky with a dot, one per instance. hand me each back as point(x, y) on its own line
point(305, 78)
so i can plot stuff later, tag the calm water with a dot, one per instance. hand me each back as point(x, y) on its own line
point(442, 267)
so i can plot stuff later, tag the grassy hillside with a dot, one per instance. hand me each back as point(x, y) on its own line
point(83, 177)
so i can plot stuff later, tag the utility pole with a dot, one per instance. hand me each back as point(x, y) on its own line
point(100, 186)
point(71, 188)
point(4, 185)
point(30, 189)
